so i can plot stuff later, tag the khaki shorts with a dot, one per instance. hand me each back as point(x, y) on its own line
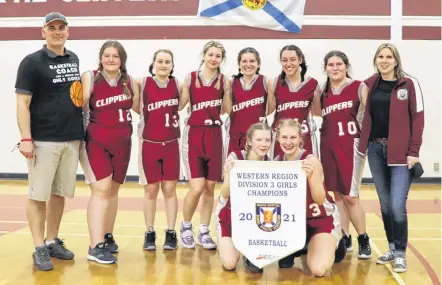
point(53, 170)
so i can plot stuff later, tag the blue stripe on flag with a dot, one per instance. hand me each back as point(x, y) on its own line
point(282, 19)
point(221, 8)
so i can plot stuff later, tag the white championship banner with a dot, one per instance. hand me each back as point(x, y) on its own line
point(268, 209)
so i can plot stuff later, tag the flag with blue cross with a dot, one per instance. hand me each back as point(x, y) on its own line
point(281, 15)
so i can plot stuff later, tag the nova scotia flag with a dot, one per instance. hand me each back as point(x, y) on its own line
point(281, 15)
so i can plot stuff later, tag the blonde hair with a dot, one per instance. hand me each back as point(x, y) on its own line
point(207, 46)
point(398, 70)
point(255, 127)
point(292, 124)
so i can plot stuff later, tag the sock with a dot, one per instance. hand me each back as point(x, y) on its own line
point(187, 224)
point(391, 246)
point(204, 228)
point(48, 242)
point(221, 200)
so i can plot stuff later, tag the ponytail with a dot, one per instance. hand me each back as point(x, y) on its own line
point(304, 69)
point(151, 69)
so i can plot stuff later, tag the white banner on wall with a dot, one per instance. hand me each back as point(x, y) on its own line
point(268, 209)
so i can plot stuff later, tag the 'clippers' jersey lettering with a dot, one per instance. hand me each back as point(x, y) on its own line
point(206, 101)
point(249, 106)
point(295, 104)
point(160, 118)
point(340, 112)
point(109, 105)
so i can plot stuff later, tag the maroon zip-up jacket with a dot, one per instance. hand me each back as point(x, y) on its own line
point(406, 120)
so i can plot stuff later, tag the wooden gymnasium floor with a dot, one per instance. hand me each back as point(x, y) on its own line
point(186, 266)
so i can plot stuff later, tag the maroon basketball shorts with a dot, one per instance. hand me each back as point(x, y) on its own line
point(320, 225)
point(237, 143)
point(343, 165)
point(277, 151)
point(225, 222)
point(159, 161)
point(203, 152)
point(107, 153)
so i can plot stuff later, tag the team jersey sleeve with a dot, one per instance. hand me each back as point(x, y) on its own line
point(91, 74)
point(275, 81)
point(361, 110)
point(264, 82)
point(177, 83)
point(187, 80)
point(26, 77)
point(361, 86)
point(225, 82)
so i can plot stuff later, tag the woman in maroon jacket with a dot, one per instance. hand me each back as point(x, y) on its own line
point(392, 132)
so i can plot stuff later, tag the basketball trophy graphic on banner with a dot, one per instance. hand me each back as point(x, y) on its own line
point(268, 209)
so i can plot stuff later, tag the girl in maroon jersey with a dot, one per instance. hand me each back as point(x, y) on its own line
point(249, 99)
point(208, 91)
point(323, 219)
point(258, 141)
point(108, 97)
point(342, 109)
point(159, 148)
point(292, 95)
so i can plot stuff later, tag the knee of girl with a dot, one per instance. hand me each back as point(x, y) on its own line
point(229, 263)
point(102, 192)
point(318, 269)
point(169, 193)
point(351, 201)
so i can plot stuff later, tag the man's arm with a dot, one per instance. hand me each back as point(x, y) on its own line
point(24, 87)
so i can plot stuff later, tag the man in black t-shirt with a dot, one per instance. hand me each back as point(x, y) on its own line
point(49, 115)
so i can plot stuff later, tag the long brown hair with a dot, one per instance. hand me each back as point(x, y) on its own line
point(300, 56)
point(398, 70)
point(124, 79)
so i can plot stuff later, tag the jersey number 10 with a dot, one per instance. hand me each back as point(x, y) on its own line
point(351, 128)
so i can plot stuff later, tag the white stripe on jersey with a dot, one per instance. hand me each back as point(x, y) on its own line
point(358, 169)
point(85, 165)
point(419, 95)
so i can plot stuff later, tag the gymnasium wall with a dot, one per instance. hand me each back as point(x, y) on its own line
point(417, 37)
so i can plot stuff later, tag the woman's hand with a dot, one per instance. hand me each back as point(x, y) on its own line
point(411, 161)
point(308, 166)
point(228, 165)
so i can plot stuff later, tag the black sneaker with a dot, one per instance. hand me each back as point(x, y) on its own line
point(287, 262)
point(348, 242)
point(364, 247)
point(58, 250)
point(149, 240)
point(41, 258)
point(101, 254)
point(252, 268)
point(302, 252)
point(110, 243)
point(340, 251)
point(171, 240)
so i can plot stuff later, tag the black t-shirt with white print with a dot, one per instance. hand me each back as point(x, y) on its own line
point(48, 77)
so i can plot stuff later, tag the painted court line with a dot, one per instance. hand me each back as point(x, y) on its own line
point(396, 276)
point(131, 236)
point(142, 225)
